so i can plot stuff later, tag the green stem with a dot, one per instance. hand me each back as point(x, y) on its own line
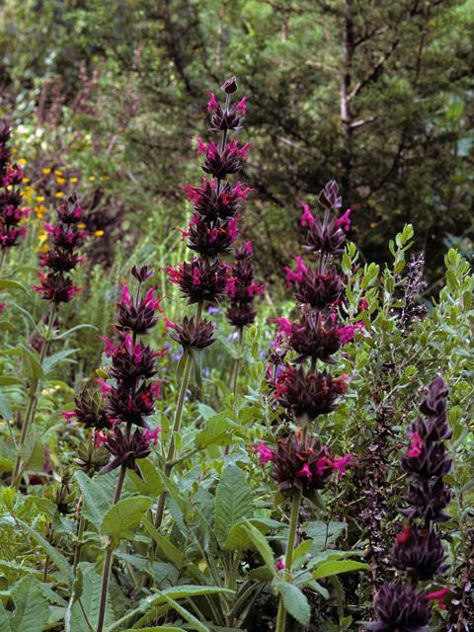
point(295, 510)
point(171, 455)
point(108, 557)
point(235, 370)
point(80, 535)
point(32, 403)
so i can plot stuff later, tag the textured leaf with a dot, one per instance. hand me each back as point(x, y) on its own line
point(98, 494)
point(55, 556)
point(234, 501)
point(323, 534)
point(239, 538)
point(216, 430)
point(85, 598)
point(31, 607)
point(123, 518)
point(295, 602)
point(338, 566)
point(4, 620)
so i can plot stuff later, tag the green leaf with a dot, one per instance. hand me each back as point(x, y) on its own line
point(85, 601)
point(239, 538)
point(31, 607)
point(8, 284)
point(262, 547)
point(98, 494)
point(190, 618)
point(169, 550)
point(50, 362)
point(5, 408)
point(55, 556)
point(67, 333)
point(234, 501)
point(151, 484)
point(324, 534)
point(185, 591)
point(295, 602)
point(123, 518)
point(216, 430)
point(4, 620)
point(32, 363)
point(337, 567)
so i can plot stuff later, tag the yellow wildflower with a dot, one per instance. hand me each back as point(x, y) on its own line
point(91, 178)
point(40, 198)
point(46, 170)
point(25, 180)
point(60, 180)
point(22, 161)
point(59, 194)
point(99, 233)
point(81, 226)
point(58, 172)
point(73, 180)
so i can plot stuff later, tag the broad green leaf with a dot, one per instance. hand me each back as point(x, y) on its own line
point(31, 607)
point(217, 429)
point(123, 518)
point(262, 547)
point(151, 484)
point(234, 501)
point(295, 602)
point(4, 620)
point(338, 566)
point(85, 601)
point(98, 494)
point(55, 556)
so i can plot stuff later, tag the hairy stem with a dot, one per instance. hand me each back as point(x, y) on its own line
point(108, 557)
point(171, 455)
point(295, 509)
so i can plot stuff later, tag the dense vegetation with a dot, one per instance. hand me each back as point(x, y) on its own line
point(240, 403)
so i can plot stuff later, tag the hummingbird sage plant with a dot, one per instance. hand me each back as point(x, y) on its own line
point(57, 287)
point(11, 174)
point(418, 551)
point(301, 463)
point(127, 398)
point(211, 234)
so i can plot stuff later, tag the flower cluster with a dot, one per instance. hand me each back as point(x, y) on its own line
point(11, 174)
point(418, 550)
point(318, 334)
point(129, 398)
point(301, 463)
point(213, 228)
point(307, 392)
point(61, 257)
point(242, 288)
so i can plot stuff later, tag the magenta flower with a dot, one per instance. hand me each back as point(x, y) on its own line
point(265, 455)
